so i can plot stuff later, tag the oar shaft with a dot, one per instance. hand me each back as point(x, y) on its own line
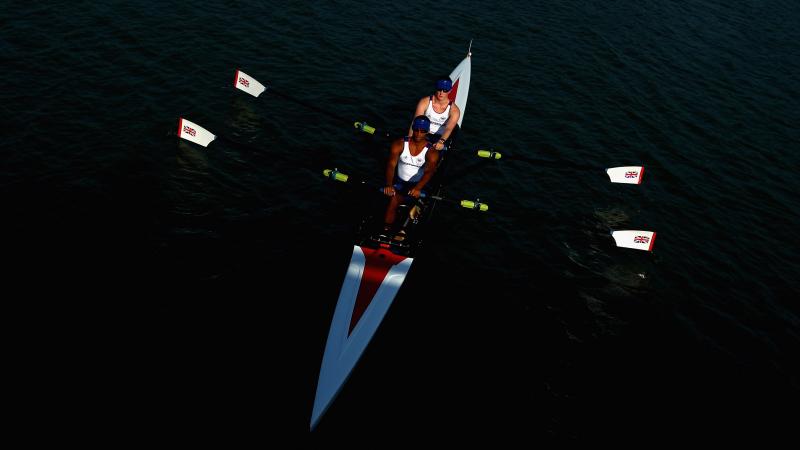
point(335, 175)
point(493, 155)
point(361, 126)
point(623, 174)
point(248, 84)
point(306, 104)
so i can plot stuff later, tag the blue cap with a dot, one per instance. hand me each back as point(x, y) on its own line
point(444, 84)
point(421, 123)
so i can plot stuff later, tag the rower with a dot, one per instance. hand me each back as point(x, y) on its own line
point(411, 164)
point(440, 110)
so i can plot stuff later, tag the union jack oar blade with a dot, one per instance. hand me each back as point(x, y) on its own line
point(248, 84)
point(371, 284)
point(626, 174)
point(193, 132)
point(635, 239)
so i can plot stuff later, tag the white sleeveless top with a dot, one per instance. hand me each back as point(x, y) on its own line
point(437, 119)
point(411, 168)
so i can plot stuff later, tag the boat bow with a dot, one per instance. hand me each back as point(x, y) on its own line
point(373, 279)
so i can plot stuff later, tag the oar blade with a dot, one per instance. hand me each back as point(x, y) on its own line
point(248, 84)
point(193, 132)
point(626, 174)
point(635, 239)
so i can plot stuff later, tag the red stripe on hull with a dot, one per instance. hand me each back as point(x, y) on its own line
point(452, 95)
point(378, 263)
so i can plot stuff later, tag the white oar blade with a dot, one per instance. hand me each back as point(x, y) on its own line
point(248, 84)
point(193, 132)
point(626, 174)
point(635, 239)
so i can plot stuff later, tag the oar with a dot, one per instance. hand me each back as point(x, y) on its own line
point(246, 83)
point(623, 174)
point(335, 175)
point(635, 239)
point(197, 134)
point(193, 132)
point(369, 129)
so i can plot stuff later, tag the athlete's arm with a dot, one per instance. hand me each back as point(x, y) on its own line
point(431, 160)
point(391, 166)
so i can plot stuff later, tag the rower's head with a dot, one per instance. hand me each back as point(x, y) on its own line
point(443, 86)
point(421, 124)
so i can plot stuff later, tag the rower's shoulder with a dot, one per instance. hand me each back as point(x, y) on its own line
point(422, 105)
point(398, 142)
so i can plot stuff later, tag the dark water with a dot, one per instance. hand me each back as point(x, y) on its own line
point(187, 292)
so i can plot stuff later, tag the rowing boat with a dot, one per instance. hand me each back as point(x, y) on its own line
point(377, 269)
point(379, 265)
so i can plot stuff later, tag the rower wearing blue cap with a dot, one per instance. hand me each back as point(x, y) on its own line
point(412, 162)
point(440, 110)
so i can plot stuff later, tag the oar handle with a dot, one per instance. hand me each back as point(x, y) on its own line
point(335, 175)
point(474, 205)
point(369, 129)
point(490, 154)
point(468, 204)
point(365, 127)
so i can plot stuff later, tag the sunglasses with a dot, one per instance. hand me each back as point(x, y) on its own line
point(443, 90)
point(424, 130)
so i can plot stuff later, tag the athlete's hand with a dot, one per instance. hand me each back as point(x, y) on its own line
point(388, 191)
point(414, 192)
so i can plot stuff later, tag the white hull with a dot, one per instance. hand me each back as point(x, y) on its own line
point(373, 280)
point(366, 295)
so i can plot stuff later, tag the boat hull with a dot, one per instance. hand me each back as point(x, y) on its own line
point(376, 272)
point(373, 278)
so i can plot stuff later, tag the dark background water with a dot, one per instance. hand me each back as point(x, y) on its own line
point(167, 288)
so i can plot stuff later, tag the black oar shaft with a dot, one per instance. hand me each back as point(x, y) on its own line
point(493, 155)
point(362, 126)
point(351, 181)
point(307, 105)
